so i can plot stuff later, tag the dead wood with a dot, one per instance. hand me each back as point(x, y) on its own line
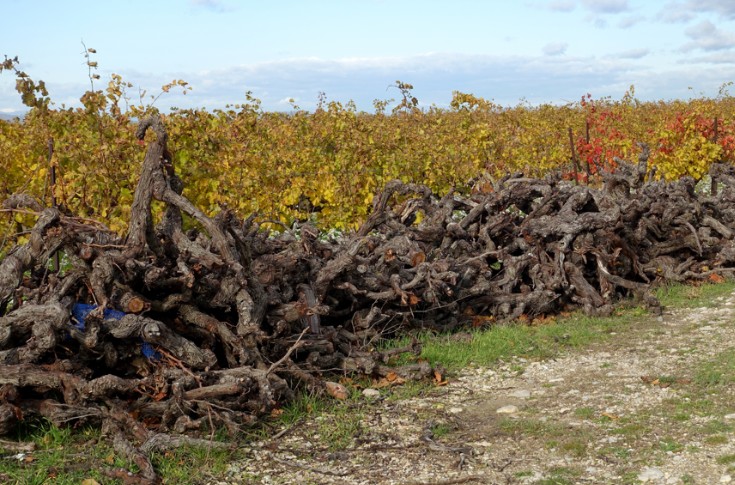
point(189, 330)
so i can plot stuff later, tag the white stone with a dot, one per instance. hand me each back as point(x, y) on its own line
point(730, 416)
point(521, 394)
point(650, 475)
point(725, 479)
point(455, 410)
point(371, 393)
point(509, 409)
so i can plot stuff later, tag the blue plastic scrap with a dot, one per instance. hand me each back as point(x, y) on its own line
point(80, 311)
point(149, 352)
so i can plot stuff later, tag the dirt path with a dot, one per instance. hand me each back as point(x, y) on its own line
point(655, 404)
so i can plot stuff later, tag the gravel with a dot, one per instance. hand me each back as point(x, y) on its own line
point(624, 411)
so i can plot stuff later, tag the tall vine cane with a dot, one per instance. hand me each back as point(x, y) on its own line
point(52, 166)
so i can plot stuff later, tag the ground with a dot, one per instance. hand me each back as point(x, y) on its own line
point(653, 403)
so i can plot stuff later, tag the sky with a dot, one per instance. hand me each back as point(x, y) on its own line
point(286, 52)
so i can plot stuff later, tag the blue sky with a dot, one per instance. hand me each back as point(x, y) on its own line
point(505, 50)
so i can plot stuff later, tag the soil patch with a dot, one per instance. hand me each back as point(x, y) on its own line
point(652, 404)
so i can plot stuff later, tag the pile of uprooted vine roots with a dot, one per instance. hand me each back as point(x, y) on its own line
point(166, 332)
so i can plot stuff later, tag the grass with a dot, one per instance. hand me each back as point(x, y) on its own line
point(532, 427)
point(60, 457)
point(185, 464)
point(716, 426)
point(304, 404)
point(631, 429)
point(561, 476)
point(339, 422)
point(68, 457)
point(440, 430)
point(699, 393)
point(57, 457)
point(716, 440)
point(487, 346)
point(338, 429)
point(584, 413)
point(726, 459)
point(718, 371)
point(669, 444)
point(555, 435)
point(688, 296)
point(616, 451)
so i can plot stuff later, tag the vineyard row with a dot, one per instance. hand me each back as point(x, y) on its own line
point(327, 165)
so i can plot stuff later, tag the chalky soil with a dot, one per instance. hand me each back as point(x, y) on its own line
point(653, 405)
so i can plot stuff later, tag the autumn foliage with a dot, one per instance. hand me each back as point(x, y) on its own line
point(328, 164)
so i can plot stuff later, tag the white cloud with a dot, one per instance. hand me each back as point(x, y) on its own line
point(630, 21)
point(600, 10)
point(632, 54)
point(506, 80)
point(723, 8)
point(503, 79)
point(675, 13)
point(217, 6)
point(707, 36)
point(555, 48)
point(562, 5)
point(685, 11)
point(606, 6)
point(716, 58)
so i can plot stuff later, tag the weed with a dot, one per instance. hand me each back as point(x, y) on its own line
point(717, 439)
point(620, 452)
point(687, 296)
point(62, 456)
point(560, 476)
point(500, 342)
point(531, 427)
point(694, 403)
point(631, 430)
point(338, 422)
point(666, 381)
point(186, 464)
point(584, 413)
point(440, 429)
point(65, 456)
point(726, 459)
point(716, 426)
point(669, 444)
point(575, 447)
point(410, 389)
point(718, 371)
point(488, 346)
point(302, 405)
point(341, 428)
